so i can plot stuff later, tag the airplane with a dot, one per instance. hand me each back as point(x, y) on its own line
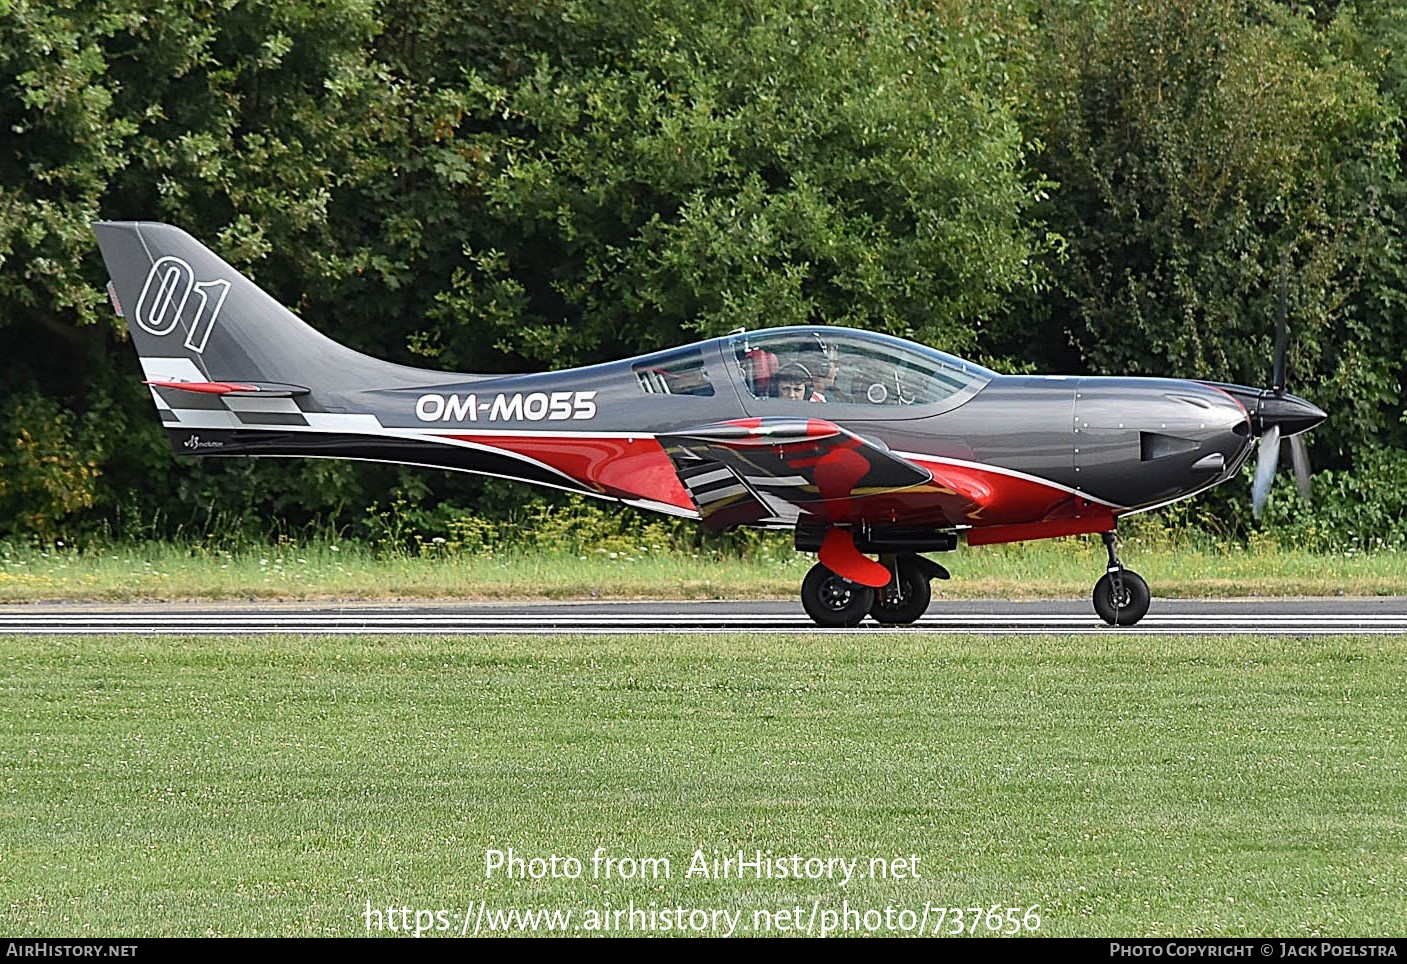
point(871, 450)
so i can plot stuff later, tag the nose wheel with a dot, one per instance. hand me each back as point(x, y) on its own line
point(1121, 597)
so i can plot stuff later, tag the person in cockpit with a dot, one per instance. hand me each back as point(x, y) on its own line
point(795, 383)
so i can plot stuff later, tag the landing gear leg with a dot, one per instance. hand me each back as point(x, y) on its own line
point(1121, 597)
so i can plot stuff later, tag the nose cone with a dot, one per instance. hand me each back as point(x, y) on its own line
point(1269, 408)
point(1141, 442)
point(1290, 413)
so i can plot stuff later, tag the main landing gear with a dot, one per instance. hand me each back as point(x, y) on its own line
point(1121, 597)
point(834, 601)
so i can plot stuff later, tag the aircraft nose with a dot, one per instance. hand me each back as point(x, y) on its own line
point(1269, 409)
point(1290, 413)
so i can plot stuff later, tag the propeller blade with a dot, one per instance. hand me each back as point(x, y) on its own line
point(1299, 455)
point(1282, 331)
point(1267, 460)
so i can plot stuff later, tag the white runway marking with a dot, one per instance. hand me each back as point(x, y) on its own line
point(1170, 617)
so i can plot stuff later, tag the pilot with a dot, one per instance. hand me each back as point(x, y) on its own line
point(794, 383)
point(822, 361)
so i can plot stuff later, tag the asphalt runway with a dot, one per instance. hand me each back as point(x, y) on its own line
point(1258, 617)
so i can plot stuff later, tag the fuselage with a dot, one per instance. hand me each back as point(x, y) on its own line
point(1046, 447)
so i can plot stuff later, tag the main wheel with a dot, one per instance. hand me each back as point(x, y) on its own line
point(1129, 607)
point(832, 601)
point(903, 603)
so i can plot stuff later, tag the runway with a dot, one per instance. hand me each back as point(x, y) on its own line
point(1286, 617)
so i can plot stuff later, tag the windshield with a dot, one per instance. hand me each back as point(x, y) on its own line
point(838, 365)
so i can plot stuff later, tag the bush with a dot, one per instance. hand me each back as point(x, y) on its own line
point(1351, 510)
point(48, 472)
point(567, 523)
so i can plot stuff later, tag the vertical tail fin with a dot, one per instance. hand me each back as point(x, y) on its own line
point(228, 366)
point(195, 319)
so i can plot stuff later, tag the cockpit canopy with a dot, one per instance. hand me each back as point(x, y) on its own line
point(852, 368)
point(861, 374)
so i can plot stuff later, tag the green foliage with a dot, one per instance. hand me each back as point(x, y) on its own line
point(234, 120)
point(1199, 148)
point(61, 146)
point(689, 169)
point(1359, 509)
point(47, 469)
point(568, 524)
point(1105, 186)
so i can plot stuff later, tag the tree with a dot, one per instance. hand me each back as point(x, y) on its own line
point(228, 119)
point(687, 169)
point(1198, 147)
point(512, 185)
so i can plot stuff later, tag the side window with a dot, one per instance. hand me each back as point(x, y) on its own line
point(674, 373)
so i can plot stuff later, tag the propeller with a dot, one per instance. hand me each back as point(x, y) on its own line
point(1267, 461)
point(1276, 407)
point(1299, 455)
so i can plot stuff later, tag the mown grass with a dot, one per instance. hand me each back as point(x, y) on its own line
point(1125, 786)
point(325, 570)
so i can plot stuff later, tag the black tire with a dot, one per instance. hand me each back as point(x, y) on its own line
point(833, 601)
point(1128, 610)
point(916, 593)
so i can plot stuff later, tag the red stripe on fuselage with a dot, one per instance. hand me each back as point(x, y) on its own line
point(998, 498)
point(959, 495)
point(628, 468)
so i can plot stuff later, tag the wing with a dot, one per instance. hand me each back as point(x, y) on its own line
point(770, 471)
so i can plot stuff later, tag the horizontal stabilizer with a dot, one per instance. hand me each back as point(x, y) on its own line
point(234, 389)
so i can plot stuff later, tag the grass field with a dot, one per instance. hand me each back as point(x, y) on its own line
point(322, 570)
point(1119, 786)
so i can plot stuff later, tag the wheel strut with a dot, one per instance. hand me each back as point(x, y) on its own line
point(1121, 597)
point(1115, 568)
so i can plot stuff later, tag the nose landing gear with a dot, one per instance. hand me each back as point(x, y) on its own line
point(1121, 597)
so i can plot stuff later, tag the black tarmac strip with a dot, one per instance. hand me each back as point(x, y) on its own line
point(1258, 617)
